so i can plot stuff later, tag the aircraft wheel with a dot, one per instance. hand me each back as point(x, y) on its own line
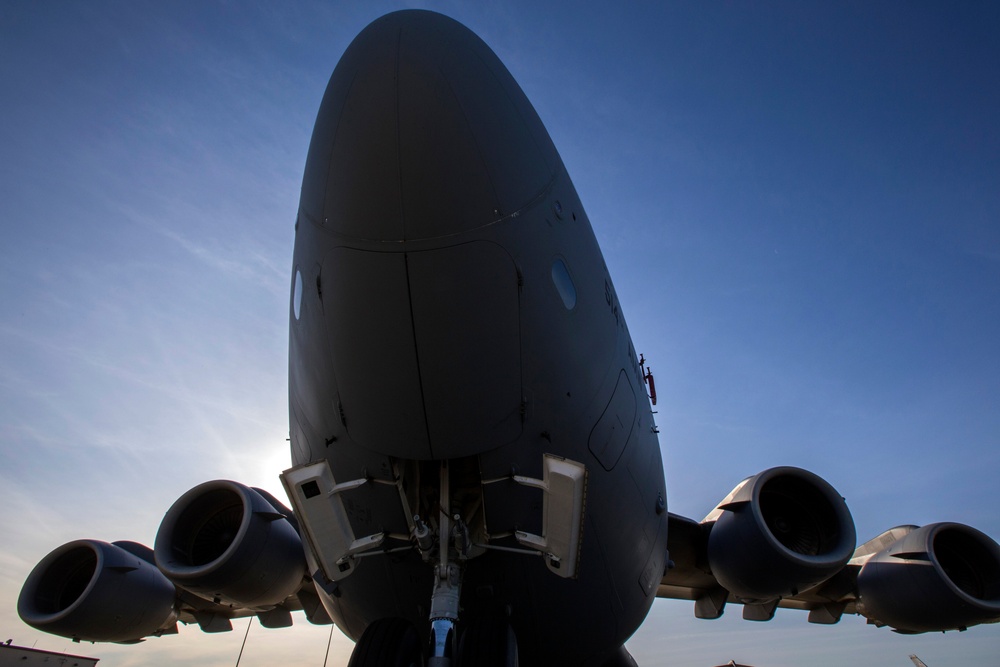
point(388, 642)
point(488, 642)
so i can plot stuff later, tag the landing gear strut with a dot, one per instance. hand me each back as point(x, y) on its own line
point(447, 583)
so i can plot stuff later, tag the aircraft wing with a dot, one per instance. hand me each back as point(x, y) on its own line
point(213, 617)
point(784, 538)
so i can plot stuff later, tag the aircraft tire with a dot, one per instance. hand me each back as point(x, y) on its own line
point(488, 642)
point(388, 642)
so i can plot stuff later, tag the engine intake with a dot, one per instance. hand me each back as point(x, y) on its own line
point(94, 591)
point(226, 542)
point(778, 533)
point(943, 576)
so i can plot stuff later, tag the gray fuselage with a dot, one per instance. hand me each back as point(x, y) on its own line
point(450, 303)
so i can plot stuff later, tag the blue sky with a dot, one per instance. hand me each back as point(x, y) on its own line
point(799, 204)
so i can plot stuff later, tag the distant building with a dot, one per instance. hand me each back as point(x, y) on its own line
point(19, 655)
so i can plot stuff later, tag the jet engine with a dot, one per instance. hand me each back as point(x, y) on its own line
point(778, 533)
point(228, 543)
point(94, 591)
point(944, 576)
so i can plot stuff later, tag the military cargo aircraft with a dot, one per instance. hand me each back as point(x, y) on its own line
point(477, 478)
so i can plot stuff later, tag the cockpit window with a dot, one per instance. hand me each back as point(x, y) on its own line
point(564, 284)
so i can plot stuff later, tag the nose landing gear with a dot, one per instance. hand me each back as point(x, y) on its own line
point(484, 642)
point(447, 582)
point(444, 614)
point(388, 642)
point(488, 642)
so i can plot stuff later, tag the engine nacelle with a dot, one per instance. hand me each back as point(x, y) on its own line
point(94, 591)
point(944, 576)
point(779, 533)
point(226, 542)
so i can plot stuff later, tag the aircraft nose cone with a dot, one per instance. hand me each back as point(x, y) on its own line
point(422, 133)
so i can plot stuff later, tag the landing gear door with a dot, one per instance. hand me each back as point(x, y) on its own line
point(564, 484)
point(315, 496)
